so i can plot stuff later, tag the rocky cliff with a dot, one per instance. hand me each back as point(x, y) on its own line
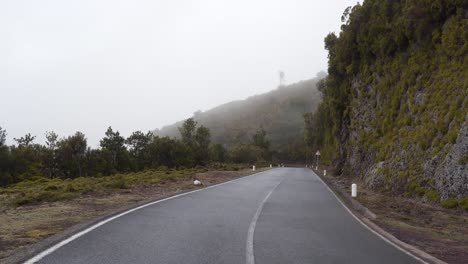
point(395, 103)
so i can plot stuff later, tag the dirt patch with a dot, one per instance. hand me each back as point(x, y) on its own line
point(440, 232)
point(24, 226)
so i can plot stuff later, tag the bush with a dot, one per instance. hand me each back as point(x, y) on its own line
point(44, 196)
point(464, 203)
point(449, 203)
point(463, 160)
point(117, 182)
point(433, 195)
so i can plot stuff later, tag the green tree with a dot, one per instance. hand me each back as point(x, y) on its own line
point(49, 156)
point(26, 158)
point(202, 147)
point(260, 139)
point(196, 141)
point(218, 153)
point(187, 132)
point(5, 176)
point(3, 135)
point(25, 141)
point(246, 153)
point(138, 144)
point(71, 154)
point(114, 143)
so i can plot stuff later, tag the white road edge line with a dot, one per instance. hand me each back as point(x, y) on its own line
point(366, 226)
point(50, 250)
point(249, 252)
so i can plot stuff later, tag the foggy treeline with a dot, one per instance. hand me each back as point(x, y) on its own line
point(71, 157)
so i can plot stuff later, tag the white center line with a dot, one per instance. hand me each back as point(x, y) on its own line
point(250, 258)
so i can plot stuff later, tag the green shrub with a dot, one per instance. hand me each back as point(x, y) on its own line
point(464, 203)
point(44, 196)
point(433, 195)
point(70, 188)
point(419, 191)
point(449, 203)
point(463, 160)
point(117, 182)
point(52, 188)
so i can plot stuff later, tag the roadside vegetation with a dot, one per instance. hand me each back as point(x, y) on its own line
point(67, 163)
point(40, 189)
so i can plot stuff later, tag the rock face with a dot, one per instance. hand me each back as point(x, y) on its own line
point(452, 174)
point(395, 103)
point(402, 163)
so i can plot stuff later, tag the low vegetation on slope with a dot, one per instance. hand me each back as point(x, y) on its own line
point(395, 102)
point(278, 112)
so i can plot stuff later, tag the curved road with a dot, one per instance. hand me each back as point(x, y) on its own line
point(284, 215)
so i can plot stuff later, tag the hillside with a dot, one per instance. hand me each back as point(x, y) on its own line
point(278, 112)
point(395, 102)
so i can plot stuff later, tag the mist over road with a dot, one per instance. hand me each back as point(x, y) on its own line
point(293, 217)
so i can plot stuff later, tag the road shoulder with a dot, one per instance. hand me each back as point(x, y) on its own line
point(376, 216)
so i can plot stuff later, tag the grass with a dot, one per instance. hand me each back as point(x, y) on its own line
point(39, 189)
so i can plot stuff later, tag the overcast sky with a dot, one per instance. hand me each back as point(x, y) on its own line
point(68, 66)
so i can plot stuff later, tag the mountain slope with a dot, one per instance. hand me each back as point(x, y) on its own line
point(395, 101)
point(278, 112)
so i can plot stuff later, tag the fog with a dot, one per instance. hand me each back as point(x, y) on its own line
point(69, 66)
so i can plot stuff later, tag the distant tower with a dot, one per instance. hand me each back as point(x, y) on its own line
point(281, 77)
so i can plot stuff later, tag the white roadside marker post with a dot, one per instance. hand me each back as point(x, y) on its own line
point(353, 190)
point(324, 172)
point(317, 158)
point(271, 166)
point(253, 168)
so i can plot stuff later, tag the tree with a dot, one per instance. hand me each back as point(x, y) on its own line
point(196, 141)
point(114, 143)
point(5, 176)
point(187, 131)
point(3, 135)
point(51, 140)
point(260, 139)
point(26, 158)
point(138, 143)
point(25, 141)
point(50, 155)
point(71, 154)
point(202, 150)
point(164, 151)
point(246, 153)
point(218, 153)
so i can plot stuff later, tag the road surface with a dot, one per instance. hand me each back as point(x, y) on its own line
point(283, 215)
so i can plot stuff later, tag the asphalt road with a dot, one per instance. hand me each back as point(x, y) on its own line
point(288, 213)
